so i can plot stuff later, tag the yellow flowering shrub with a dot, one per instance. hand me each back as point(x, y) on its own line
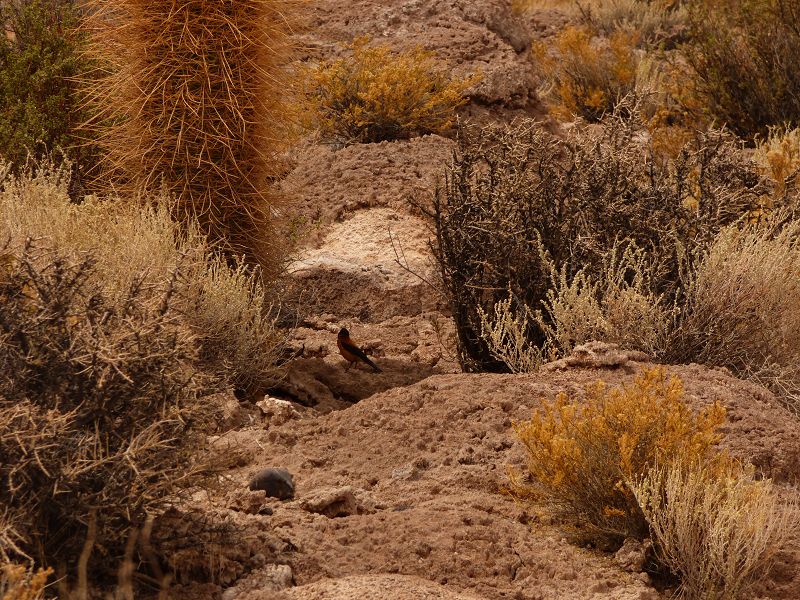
point(581, 452)
point(589, 76)
point(778, 157)
point(20, 583)
point(377, 94)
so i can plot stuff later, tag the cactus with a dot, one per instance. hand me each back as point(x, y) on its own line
point(193, 103)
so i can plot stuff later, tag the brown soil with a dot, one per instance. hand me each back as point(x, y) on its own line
point(399, 475)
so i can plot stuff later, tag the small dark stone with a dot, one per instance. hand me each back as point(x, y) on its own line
point(277, 483)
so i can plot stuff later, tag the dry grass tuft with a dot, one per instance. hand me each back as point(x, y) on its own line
point(376, 94)
point(719, 532)
point(778, 157)
point(581, 453)
point(194, 100)
point(616, 305)
point(230, 310)
point(741, 307)
point(507, 336)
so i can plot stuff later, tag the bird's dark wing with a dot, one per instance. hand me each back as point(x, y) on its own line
point(356, 351)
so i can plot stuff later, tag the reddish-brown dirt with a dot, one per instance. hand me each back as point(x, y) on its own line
point(399, 475)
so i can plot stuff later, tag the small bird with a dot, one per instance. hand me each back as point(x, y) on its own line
point(351, 352)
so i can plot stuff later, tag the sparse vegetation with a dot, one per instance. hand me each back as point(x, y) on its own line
point(110, 327)
point(654, 22)
point(523, 212)
point(718, 531)
point(581, 453)
point(590, 75)
point(739, 307)
point(744, 56)
point(376, 94)
point(123, 313)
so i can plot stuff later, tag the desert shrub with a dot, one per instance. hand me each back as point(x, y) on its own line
point(740, 309)
point(40, 57)
point(589, 75)
point(672, 105)
point(657, 22)
point(99, 405)
point(20, 583)
point(506, 335)
point(519, 202)
point(582, 452)
point(744, 56)
point(719, 532)
point(617, 304)
point(376, 94)
point(194, 101)
point(230, 310)
point(620, 307)
point(235, 318)
point(778, 157)
point(114, 325)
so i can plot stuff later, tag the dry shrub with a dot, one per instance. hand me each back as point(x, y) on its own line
point(98, 404)
point(581, 453)
point(719, 532)
point(113, 325)
point(519, 202)
point(194, 99)
point(20, 583)
point(657, 22)
point(590, 76)
point(778, 157)
point(740, 307)
point(616, 305)
point(673, 106)
point(376, 94)
point(230, 310)
point(235, 317)
point(506, 335)
point(744, 56)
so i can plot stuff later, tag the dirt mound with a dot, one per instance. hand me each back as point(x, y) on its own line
point(410, 481)
point(375, 587)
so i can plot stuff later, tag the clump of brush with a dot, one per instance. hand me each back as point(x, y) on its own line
point(193, 101)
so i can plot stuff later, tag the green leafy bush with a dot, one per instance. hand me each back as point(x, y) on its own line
point(40, 59)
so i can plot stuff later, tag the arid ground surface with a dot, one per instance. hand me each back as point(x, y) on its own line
point(399, 475)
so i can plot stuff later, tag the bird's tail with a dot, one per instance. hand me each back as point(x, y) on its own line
point(375, 367)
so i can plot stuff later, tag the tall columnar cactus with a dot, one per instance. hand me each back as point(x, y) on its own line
point(194, 102)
